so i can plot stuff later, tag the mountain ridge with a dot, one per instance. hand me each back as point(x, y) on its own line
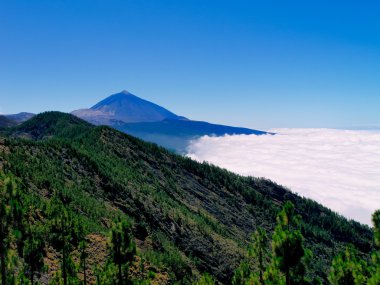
point(176, 135)
point(6, 122)
point(167, 129)
point(20, 117)
point(205, 212)
point(146, 120)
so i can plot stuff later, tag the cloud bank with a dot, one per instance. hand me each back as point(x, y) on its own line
point(338, 168)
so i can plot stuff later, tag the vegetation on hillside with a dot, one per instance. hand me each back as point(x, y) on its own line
point(289, 260)
point(90, 204)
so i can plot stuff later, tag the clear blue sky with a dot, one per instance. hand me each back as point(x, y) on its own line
point(248, 63)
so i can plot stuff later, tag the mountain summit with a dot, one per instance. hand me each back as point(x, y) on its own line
point(125, 107)
point(151, 122)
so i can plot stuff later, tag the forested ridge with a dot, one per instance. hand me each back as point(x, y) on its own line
point(91, 203)
point(5, 122)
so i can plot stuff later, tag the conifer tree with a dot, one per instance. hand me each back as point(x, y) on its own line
point(122, 247)
point(64, 234)
point(10, 219)
point(83, 259)
point(273, 276)
point(12, 264)
point(242, 274)
point(259, 250)
point(33, 252)
point(287, 245)
point(375, 269)
point(257, 253)
point(205, 279)
point(347, 268)
point(376, 226)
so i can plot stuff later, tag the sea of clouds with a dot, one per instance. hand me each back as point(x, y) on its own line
point(338, 168)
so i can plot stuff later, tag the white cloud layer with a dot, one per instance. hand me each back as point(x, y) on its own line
point(338, 168)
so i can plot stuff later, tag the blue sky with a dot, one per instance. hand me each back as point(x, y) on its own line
point(259, 64)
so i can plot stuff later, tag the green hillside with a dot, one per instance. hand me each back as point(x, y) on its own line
point(187, 217)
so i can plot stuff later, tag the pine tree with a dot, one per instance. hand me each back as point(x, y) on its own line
point(289, 257)
point(375, 268)
point(33, 252)
point(83, 259)
point(347, 268)
point(273, 276)
point(287, 245)
point(64, 236)
point(242, 274)
point(376, 226)
point(122, 247)
point(205, 279)
point(259, 251)
point(10, 219)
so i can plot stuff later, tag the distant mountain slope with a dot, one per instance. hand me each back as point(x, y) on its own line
point(6, 122)
point(20, 117)
point(176, 134)
point(125, 107)
point(186, 128)
point(189, 217)
point(150, 122)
